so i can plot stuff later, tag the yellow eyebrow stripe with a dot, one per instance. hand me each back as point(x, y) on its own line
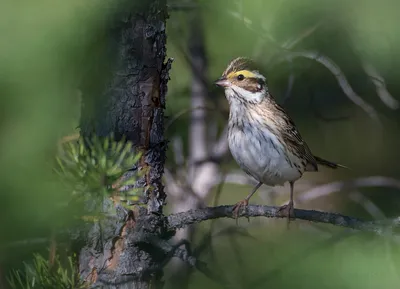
point(246, 73)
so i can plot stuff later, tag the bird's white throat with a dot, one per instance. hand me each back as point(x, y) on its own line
point(236, 93)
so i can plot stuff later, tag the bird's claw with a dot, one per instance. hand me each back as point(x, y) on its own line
point(236, 209)
point(287, 211)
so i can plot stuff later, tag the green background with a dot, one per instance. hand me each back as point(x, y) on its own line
point(47, 47)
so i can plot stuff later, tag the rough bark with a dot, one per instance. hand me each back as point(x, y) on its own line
point(118, 251)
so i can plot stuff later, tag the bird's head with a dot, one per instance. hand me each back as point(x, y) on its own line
point(243, 82)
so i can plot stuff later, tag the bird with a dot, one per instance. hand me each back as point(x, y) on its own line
point(262, 138)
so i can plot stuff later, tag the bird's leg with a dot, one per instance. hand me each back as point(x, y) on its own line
point(288, 209)
point(244, 203)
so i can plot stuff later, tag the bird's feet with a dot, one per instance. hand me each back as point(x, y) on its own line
point(240, 205)
point(287, 211)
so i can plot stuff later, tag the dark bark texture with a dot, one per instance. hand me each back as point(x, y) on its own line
point(118, 252)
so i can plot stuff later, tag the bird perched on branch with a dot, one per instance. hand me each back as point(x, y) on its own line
point(263, 139)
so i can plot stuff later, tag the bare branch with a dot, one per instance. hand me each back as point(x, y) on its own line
point(380, 86)
point(186, 256)
point(184, 219)
point(341, 79)
point(326, 189)
point(288, 45)
point(292, 42)
point(27, 242)
point(266, 34)
point(368, 205)
point(184, 111)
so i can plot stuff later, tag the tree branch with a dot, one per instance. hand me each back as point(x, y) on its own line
point(341, 79)
point(363, 182)
point(181, 220)
point(380, 86)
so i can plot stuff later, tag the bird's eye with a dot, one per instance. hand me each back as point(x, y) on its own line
point(240, 77)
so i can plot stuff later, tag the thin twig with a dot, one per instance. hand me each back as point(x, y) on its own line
point(187, 256)
point(341, 79)
point(329, 64)
point(27, 242)
point(368, 205)
point(184, 111)
point(380, 86)
point(292, 42)
point(326, 189)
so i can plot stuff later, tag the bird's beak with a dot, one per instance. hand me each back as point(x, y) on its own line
point(223, 82)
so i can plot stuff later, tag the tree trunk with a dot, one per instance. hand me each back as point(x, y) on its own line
point(116, 253)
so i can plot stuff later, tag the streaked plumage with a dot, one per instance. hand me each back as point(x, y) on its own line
point(263, 139)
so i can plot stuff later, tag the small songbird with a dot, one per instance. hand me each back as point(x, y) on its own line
point(263, 139)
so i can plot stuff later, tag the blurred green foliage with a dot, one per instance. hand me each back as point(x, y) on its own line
point(49, 47)
point(93, 169)
point(273, 257)
point(41, 275)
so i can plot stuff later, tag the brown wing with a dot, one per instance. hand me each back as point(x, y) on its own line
point(293, 138)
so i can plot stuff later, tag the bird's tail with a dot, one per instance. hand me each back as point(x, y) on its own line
point(328, 164)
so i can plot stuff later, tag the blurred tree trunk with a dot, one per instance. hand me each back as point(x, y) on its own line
point(130, 104)
point(202, 173)
point(198, 123)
